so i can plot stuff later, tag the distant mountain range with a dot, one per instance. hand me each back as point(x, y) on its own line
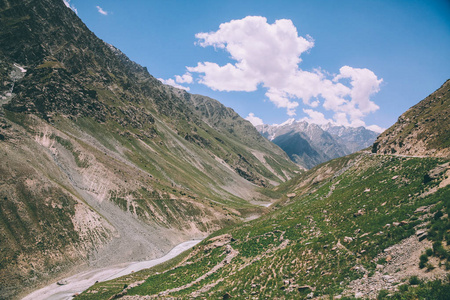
point(310, 144)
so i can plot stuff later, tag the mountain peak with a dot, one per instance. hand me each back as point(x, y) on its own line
point(309, 144)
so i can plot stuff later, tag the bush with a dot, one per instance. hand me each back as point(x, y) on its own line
point(438, 215)
point(403, 288)
point(423, 261)
point(414, 280)
point(429, 251)
point(382, 294)
point(381, 261)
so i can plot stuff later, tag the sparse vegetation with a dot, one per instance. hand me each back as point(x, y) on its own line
point(289, 243)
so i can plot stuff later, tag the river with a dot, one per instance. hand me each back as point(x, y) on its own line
point(82, 281)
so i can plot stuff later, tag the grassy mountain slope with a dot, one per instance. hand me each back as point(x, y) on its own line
point(424, 129)
point(329, 235)
point(100, 162)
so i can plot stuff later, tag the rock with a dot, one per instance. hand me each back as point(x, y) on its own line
point(338, 297)
point(359, 213)
point(387, 225)
point(421, 209)
point(366, 190)
point(379, 267)
point(359, 295)
point(348, 239)
point(291, 195)
point(388, 258)
point(396, 224)
point(421, 234)
point(310, 295)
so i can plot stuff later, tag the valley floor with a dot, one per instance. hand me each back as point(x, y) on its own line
point(80, 282)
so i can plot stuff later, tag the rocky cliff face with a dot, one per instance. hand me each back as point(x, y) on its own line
point(309, 144)
point(100, 163)
point(423, 130)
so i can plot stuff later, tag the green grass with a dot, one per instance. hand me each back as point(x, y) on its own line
point(310, 229)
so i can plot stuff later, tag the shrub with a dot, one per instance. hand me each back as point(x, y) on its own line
point(403, 288)
point(382, 294)
point(381, 261)
point(438, 215)
point(429, 251)
point(414, 280)
point(423, 260)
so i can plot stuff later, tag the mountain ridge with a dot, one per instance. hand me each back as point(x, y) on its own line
point(309, 144)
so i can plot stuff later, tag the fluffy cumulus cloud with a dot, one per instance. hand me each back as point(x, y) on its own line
point(186, 78)
point(172, 82)
point(101, 11)
point(71, 6)
point(315, 117)
point(254, 119)
point(268, 55)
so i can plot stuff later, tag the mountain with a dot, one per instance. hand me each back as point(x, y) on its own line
point(310, 144)
point(352, 138)
point(361, 226)
point(422, 130)
point(101, 163)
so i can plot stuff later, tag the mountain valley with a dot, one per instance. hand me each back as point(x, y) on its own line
point(103, 164)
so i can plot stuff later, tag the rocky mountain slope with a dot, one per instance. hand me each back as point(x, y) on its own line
point(361, 226)
point(310, 144)
point(422, 130)
point(100, 162)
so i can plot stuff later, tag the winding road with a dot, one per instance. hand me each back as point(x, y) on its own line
point(82, 281)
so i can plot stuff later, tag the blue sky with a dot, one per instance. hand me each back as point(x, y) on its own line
point(350, 62)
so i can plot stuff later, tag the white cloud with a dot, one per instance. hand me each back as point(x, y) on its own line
point(316, 117)
point(100, 10)
point(172, 82)
point(72, 7)
point(254, 119)
point(186, 78)
point(376, 128)
point(268, 55)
